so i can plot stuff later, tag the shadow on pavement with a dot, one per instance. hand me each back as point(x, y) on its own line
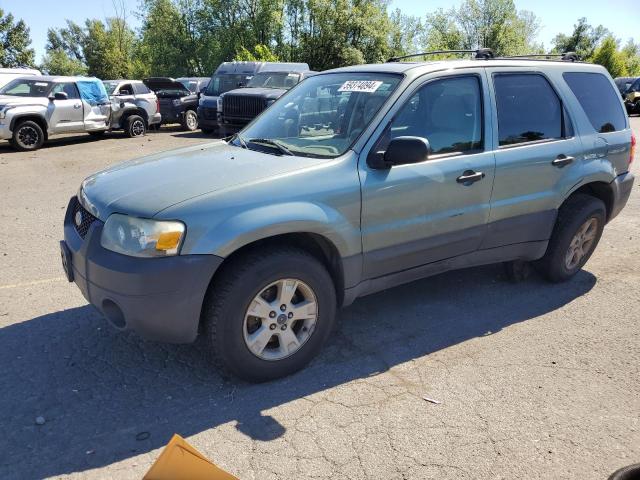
point(98, 389)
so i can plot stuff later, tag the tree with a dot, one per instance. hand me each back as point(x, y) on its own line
point(608, 56)
point(14, 42)
point(631, 55)
point(260, 53)
point(584, 40)
point(58, 62)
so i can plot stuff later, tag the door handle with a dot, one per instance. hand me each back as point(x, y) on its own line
point(77, 105)
point(469, 177)
point(562, 161)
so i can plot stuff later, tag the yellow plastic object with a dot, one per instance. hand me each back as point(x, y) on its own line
point(168, 240)
point(180, 461)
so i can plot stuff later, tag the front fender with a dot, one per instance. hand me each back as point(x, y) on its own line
point(16, 113)
point(267, 221)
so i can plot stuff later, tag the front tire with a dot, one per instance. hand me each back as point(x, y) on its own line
point(27, 136)
point(135, 126)
point(575, 236)
point(269, 313)
point(190, 121)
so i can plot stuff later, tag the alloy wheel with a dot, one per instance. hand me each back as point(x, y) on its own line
point(581, 243)
point(280, 319)
point(27, 136)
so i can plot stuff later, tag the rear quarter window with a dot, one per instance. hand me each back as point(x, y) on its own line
point(140, 88)
point(598, 99)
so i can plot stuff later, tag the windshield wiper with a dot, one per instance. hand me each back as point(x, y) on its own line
point(274, 143)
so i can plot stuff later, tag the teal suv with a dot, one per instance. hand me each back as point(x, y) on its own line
point(356, 180)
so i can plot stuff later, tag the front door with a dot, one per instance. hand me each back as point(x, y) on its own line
point(66, 115)
point(416, 214)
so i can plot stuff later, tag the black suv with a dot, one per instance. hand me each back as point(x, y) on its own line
point(242, 105)
point(177, 103)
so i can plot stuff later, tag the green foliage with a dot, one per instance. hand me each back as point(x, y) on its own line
point(58, 62)
point(261, 53)
point(584, 40)
point(608, 56)
point(14, 42)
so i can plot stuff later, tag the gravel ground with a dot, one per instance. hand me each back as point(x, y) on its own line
point(535, 380)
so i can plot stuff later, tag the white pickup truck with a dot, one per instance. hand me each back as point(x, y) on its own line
point(35, 107)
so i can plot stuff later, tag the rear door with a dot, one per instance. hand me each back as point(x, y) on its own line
point(65, 115)
point(417, 214)
point(537, 154)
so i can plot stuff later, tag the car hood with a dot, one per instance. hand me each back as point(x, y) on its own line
point(258, 92)
point(146, 186)
point(164, 83)
point(13, 100)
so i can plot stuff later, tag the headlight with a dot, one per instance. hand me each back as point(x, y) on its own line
point(141, 237)
point(176, 102)
point(219, 104)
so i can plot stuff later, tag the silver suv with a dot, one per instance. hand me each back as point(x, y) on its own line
point(135, 108)
point(34, 108)
point(356, 180)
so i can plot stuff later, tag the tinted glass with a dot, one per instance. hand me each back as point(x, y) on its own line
point(110, 87)
point(447, 112)
point(274, 80)
point(140, 89)
point(68, 88)
point(322, 116)
point(26, 88)
point(220, 84)
point(528, 109)
point(598, 100)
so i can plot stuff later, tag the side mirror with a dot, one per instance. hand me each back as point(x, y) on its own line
point(59, 96)
point(401, 151)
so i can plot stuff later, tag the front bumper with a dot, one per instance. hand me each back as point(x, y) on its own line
point(155, 119)
point(208, 117)
point(621, 190)
point(5, 130)
point(159, 298)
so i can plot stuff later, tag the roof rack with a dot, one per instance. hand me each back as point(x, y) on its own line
point(480, 54)
point(565, 57)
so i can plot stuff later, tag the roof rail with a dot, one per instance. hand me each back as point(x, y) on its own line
point(480, 54)
point(565, 57)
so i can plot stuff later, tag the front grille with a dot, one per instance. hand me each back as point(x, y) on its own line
point(86, 219)
point(242, 106)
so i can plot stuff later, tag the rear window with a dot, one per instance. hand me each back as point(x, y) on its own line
point(140, 88)
point(598, 99)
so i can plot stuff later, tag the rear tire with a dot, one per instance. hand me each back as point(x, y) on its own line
point(241, 304)
point(190, 121)
point(575, 236)
point(27, 136)
point(135, 126)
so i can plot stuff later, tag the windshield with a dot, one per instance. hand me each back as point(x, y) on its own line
point(110, 87)
point(274, 80)
point(220, 84)
point(21, 87)
point(324, 115)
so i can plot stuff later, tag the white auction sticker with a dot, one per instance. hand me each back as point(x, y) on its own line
point(366, 86)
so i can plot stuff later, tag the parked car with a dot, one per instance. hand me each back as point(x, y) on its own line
point(242, 105)
point(36, 107)
point(357, 180)
point(177, 103)
point(194, 84)
point(623, 83)
point(8, 74)
point(135, 108)
point(229, 76)
point(631, 96)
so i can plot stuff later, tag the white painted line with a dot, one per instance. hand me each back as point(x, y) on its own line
point(29, 284)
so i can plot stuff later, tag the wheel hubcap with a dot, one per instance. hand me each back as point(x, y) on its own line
point(581, 243)
point(280, 319)
point(28, 136)
point(191, 121)
point(137, 128)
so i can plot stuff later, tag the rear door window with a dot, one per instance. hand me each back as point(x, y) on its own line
point(598, 99)
point(528, 109)
point(140, 89)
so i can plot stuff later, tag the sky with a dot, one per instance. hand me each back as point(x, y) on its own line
point(622, 17)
